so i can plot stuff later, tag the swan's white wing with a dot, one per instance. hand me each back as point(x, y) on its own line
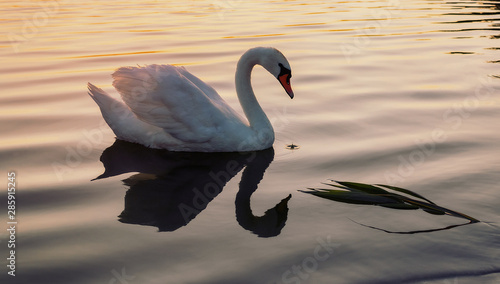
point(209, 92)
point(204, 87)
point(171, 98)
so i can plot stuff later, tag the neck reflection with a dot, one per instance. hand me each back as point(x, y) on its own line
point(172, 188)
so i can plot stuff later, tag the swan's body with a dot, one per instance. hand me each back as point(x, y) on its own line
point(167, 107)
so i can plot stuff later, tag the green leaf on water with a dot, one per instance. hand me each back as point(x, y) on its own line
point(368, 188)
point(402, 206)
point(367, 194)
point(353, 197)
point(395, 188)
point(439, 210)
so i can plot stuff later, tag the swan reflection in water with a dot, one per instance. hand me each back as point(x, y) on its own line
point(172, 188)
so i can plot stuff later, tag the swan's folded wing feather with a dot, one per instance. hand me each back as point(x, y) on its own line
point(163, 96)
point(204, 87)
point(211, 93)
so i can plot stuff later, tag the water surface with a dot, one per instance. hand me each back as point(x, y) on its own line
point(397, 92)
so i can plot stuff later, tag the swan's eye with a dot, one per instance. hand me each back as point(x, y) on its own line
point(285, 71)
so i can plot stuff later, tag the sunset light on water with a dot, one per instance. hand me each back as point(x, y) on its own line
point(399, 101)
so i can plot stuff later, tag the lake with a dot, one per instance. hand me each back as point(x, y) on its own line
point(401, 93)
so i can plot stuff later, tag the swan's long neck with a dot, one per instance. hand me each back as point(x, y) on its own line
point(253, 111)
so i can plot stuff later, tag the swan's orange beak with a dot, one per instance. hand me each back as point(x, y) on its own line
point(285, 82)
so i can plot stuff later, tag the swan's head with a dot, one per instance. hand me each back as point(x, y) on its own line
point(275, 62)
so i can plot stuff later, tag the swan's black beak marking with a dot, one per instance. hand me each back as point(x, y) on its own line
point(284, 78)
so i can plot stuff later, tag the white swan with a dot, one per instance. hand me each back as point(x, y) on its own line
point(167, 107)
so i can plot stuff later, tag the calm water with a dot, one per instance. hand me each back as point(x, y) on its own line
point(403, 93)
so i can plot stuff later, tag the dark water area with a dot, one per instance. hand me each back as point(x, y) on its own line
point(402, 93)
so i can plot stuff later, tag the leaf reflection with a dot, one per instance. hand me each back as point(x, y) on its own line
point(367, 194)
point(172, 188)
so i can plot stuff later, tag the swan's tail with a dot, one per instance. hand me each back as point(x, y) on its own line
point(113, 111)
point(100, 96)
point(121, 119)
point(110, 107)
